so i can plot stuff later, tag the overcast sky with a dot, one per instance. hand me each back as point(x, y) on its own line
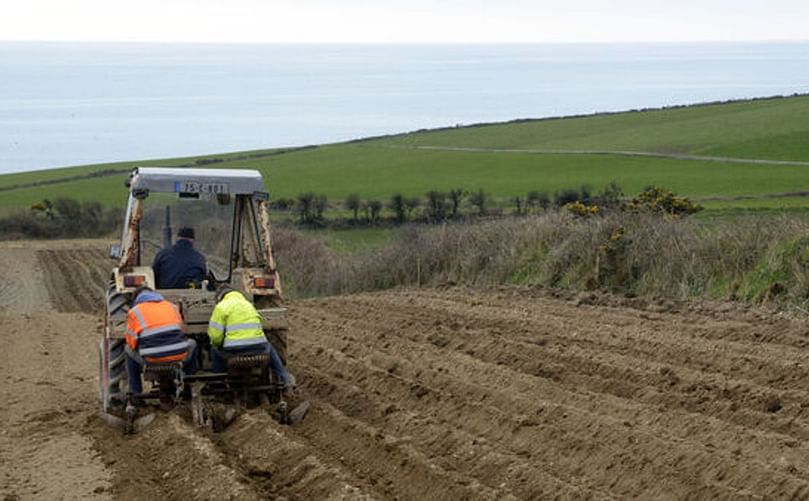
point(404, 21)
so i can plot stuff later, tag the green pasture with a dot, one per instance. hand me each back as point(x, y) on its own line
point(782, 203)
point(83, 170)
point(765, 129)
point(377, 172)
point(355, 240)
point(376, 169)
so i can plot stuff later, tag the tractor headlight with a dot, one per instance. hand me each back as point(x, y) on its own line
point(134, 280)
point(264, 282)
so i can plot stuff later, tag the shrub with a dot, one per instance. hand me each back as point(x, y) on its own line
point(304, 206)
point(397, 205)
point(635, 253)
point(411, 204)
point(67, 208)
point(611, 271)
point(319, 205)
point(586, 194)
point(282, 204)
point(610, 197)
point(520, 207)
point(581, 209)
point(353, 203)
point(537, 200)
point(566, 196)
point(657, 199)
point(65, 218)
point(436, 205)
point(375, 208)
point(455, 197)
point(478, 199)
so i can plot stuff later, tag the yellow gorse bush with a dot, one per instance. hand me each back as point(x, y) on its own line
point(581, 209)
point(661, 200)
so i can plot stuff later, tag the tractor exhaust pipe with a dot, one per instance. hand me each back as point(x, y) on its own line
point(167, 229)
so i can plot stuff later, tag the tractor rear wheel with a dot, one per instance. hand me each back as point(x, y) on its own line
point(117, 307)
point(116, 365)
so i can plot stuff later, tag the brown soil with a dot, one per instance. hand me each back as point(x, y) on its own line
point(431, 394)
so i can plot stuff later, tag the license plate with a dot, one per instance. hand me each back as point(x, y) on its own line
point(193, 187)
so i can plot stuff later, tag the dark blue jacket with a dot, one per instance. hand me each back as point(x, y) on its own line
point(179, 266)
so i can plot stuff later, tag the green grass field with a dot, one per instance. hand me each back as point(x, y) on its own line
point(355, 240)
point(773, 129)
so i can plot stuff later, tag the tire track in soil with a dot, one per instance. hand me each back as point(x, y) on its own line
point(170, 460)
point(47, 396)
point(21, 289)
point(75, 278)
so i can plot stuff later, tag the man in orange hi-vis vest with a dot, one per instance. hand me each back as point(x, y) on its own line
point(154, 335)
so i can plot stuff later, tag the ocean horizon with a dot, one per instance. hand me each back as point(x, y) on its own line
point(66, 104)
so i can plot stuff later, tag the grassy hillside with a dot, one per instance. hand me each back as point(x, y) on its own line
point(774, 129)
point(770, 129)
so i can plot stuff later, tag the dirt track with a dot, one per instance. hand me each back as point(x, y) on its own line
point(434, 394)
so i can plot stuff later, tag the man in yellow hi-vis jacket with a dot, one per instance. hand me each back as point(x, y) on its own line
point(235, 329)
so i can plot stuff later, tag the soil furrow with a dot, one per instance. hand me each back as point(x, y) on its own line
point(346, 345)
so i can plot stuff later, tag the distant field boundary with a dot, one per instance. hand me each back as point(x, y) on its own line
point(575, 116)
point(626, 153)
point(66, 179)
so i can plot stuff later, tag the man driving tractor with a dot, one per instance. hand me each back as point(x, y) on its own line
point(180, 266)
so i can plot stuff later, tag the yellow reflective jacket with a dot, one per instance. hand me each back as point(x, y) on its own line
point(235, 323)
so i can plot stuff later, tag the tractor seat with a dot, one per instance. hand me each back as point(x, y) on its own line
point(248, 361)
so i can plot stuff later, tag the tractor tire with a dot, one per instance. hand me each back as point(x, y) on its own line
point(117, 307)
point(278, 339)
point(117, 367)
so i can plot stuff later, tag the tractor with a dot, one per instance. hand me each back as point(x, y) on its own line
point(237, 233)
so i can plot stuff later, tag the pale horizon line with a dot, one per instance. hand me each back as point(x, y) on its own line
point(408, 43)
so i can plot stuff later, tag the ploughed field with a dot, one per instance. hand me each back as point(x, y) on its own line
point(423, 394)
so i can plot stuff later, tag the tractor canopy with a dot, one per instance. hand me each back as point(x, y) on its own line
point(233, 232)
point(195, 181)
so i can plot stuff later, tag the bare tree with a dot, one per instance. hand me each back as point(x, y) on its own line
point(353, 203)
point(397, 205)
point(520, 204)
point(319, 205)
point(411, 204)
point(478, 199)
point(436, 205)
point(456, 197)
point(376, 207)
point(304, 206)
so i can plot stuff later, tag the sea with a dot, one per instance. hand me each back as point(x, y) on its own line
point(65, 104)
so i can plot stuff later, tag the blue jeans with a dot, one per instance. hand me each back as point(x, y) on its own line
point(219, 355)
point(134, 364)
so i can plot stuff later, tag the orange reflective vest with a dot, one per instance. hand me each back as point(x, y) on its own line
point(154, 328)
